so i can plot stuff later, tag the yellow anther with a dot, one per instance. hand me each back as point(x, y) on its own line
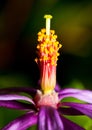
point(43, 30)
point(57, 42)
point(47, 17)
point(55, 36)
point(52, 31)
point(51, 50)
point(39, 33)
point(42, 49)
point(58, 54)
point(38, 47)
point(60, 45)
point(36, 60)
point(46, 51)
point(45, 58)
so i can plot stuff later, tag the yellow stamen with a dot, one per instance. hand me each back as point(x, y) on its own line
point(47, 50)
point(48, 47)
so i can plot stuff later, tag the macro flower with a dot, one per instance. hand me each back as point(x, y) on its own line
point(45, 106)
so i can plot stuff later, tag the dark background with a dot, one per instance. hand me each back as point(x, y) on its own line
point(20, 21)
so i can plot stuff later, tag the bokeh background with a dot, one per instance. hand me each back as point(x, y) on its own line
point(20, 21)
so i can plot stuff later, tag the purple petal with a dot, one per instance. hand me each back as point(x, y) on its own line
point(70, 90)
point(27, 90)
point(69, 125)
point(84, 95)
point(8, 97)
point(69, 111)
point(49, 119)
point(23, 122)
point(17, 105)
point(84, 108)
point(57, 88)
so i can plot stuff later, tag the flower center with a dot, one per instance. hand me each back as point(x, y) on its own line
point(46, 99)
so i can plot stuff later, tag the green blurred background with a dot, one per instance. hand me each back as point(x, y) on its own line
point(20, 21)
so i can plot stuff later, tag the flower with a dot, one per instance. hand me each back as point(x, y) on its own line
point(45, 107)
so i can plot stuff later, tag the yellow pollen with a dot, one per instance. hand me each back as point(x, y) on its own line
point(48, 47)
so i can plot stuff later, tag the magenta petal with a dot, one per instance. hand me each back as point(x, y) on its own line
point(69, 111)
point(84, 95)
point(84, 108)
point(17, 105)
point(23, 122)
point(70, 90)
point(49, 119)
point(69, 125)
point(27, 90)
point(8, 97)
point(57, 88)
